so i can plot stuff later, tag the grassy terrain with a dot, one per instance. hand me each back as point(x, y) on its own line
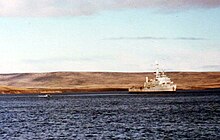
point(99, 81)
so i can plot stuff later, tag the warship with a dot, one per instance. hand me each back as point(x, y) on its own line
point(161, 83)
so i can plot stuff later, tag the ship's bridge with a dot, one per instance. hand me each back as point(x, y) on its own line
point(163, 80)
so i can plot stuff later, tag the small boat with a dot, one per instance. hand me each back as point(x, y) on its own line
point(44, 96)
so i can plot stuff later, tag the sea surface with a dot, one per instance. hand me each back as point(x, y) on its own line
point(111, 115)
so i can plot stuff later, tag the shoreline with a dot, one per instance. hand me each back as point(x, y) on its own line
point(71, 82)
point(95, 90)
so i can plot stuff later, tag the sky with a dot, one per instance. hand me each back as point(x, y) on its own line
point(109, 36)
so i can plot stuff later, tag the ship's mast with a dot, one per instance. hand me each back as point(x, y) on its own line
point(157, 71)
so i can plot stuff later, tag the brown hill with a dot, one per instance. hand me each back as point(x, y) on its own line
point(87, 81)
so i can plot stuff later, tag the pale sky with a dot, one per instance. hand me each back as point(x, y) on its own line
point(109, 35)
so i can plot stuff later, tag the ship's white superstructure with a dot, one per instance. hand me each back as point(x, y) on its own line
point(161, 83)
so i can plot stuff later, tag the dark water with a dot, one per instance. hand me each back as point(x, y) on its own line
point(111, 116)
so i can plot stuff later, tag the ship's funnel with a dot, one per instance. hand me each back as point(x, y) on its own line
point(146, 79)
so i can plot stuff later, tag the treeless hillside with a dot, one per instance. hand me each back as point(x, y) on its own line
point(105, 80)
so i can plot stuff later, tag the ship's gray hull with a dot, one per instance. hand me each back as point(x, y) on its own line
point(153, 89)
point(158, 92)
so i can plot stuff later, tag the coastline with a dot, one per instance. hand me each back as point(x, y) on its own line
point(95, 90)
point(80, 82)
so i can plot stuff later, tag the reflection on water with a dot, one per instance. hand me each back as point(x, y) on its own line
point(110, 116)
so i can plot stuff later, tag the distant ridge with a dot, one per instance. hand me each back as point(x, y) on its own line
point(98, 81)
